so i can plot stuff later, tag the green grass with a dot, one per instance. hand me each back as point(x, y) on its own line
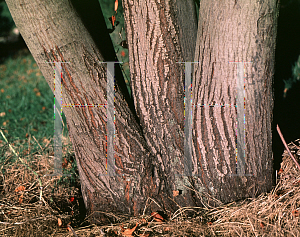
point(26, 99)
point(26, 112)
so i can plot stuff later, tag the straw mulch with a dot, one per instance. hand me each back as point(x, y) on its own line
point(30, 209)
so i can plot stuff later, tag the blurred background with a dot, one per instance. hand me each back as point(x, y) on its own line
point(287, 78)
point(27, 102)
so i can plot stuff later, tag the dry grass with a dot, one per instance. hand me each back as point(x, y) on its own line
point(27, 210)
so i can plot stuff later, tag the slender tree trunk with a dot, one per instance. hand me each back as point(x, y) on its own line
point(230, 32)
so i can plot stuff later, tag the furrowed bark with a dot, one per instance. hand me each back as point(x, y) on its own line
point(53, 32)
point(149, 150)
point(243, 31)
point(160, 34)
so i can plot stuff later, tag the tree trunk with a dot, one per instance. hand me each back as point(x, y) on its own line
point(149, 148)
point(230, 32)
point(159, 35)
point(53, 31)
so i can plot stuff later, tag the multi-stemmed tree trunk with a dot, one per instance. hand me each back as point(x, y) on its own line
point(149, 141)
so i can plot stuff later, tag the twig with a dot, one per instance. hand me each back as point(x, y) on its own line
point(103, 233)
point(72, 230)
point(37, 143)
point(286, 147)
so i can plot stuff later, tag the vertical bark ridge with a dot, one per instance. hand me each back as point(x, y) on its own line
point(53, 31)
point(237, 34)
point(157, 81)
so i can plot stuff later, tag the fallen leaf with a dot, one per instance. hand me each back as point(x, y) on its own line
point(157, 217)
point(175, 193)
point(65, 164)
point(295, 213)
point(128, 232)
point(20, 188)
point(59, 222)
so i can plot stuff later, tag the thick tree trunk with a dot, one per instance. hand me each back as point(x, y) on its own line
point(53, 32)
point(230, 32)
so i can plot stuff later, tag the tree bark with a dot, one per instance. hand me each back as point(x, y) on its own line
point(53, 31)
point(231, 32)
point(160, 34)
point(149, 147)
